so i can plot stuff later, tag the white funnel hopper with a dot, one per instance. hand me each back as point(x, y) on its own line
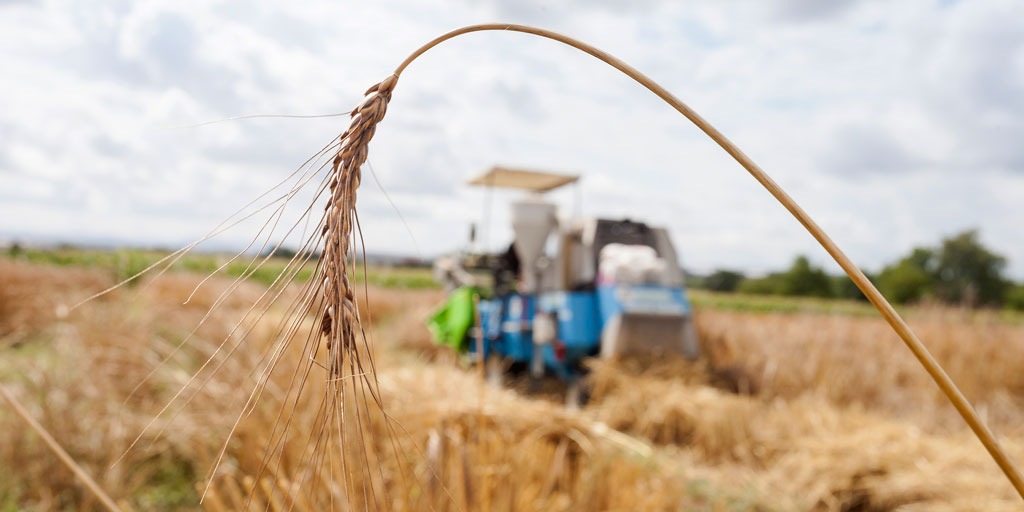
point(533, 219)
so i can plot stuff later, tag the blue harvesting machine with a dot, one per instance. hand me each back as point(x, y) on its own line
point(564, 290)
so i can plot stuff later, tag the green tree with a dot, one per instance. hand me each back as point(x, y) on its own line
point(724, 281)
point(771, 284)
point(805, 280)
point(801, 279)
point(910, 279)
point(968, 273)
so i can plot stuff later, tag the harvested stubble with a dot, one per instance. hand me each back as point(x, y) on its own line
point(803, 449)
point(825, 382)
point(854, 361)
point(827, 458)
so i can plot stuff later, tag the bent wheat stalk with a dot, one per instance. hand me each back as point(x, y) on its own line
point(340, 322)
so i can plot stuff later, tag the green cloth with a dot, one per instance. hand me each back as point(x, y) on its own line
point(452, 321)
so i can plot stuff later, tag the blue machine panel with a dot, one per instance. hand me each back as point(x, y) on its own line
point(579, 325)
point(650, 299)
point(508, 326)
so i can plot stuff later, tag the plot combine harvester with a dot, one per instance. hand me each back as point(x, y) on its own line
point(564, 290)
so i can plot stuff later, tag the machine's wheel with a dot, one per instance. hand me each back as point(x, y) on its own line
point(577, 392)
point(534, 386)
point(536, 369)
point(495, 368)
point(691, 342)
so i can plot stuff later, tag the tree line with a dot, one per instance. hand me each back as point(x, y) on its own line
point(960, 270)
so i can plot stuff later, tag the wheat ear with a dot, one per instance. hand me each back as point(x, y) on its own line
point(340, 322)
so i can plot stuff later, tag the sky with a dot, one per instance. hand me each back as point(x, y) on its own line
point(894, 124)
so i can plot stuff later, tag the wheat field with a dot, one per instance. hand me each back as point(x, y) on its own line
point(794, 411)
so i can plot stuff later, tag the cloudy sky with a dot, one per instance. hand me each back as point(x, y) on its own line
point(894, 124)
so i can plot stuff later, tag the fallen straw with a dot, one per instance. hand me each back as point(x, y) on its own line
point(929, 363)
point(56, 448)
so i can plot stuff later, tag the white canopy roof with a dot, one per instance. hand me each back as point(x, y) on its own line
point(534, 181)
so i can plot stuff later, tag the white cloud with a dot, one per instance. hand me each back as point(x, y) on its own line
point(895, 124)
